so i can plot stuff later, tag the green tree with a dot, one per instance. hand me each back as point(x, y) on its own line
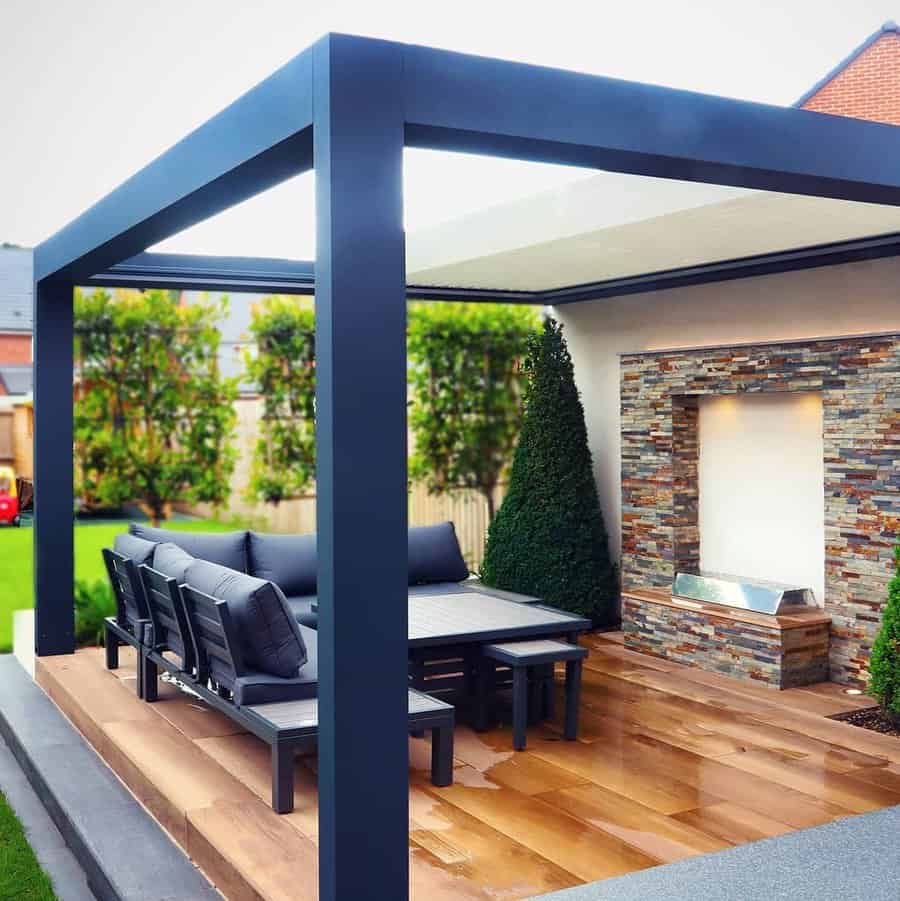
point(466, 389)
point(153, 414)
point(282, 365)
point(884, 666)
point(548, 538)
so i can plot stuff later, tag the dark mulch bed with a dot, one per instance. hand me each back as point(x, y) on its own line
point(871, 718)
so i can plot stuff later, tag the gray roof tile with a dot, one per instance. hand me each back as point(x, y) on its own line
point(16, 274)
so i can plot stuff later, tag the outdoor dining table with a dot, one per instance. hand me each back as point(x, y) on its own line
point(473, 617)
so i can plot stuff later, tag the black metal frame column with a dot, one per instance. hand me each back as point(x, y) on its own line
point(54, 541)
point(361, 470)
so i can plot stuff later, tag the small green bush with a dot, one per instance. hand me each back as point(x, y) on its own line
point(884, 666)
point(93, 603)
point(548, 538)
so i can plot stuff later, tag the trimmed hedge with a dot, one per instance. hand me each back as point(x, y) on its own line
point(884, 665)
point(548, 538)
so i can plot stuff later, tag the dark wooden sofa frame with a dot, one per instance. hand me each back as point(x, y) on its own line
point(203, 626)
point(132, 618)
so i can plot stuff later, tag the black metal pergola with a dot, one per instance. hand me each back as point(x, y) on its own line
point(346, 107)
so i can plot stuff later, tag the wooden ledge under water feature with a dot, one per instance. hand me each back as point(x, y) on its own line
point(671, 762)
point(786, 650)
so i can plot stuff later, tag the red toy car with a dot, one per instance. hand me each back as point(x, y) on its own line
point(9, 500)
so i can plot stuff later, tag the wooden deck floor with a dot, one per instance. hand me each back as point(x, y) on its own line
point(671, 762)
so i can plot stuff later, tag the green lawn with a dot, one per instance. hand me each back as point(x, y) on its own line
point(16, 572)
point(21, 876)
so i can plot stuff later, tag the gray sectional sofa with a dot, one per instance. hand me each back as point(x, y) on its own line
point(230, 616)
point(436, 564)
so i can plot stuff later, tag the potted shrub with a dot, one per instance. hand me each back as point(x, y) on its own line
point(884, 667)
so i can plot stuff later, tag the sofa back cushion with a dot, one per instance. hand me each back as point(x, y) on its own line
point(434, 555)
point(172, 561)
point(137, 549)
point(287, 560)
point(269, 635)
point(225, 548)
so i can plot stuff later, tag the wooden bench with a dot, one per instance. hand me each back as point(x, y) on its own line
point(530, 656)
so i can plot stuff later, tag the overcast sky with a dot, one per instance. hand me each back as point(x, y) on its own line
point(91, 90)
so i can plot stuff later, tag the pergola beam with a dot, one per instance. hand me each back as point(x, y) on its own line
point(497, 108)
point(258, 275)
point(261, 139)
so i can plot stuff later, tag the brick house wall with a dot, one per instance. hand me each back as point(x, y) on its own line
point(15, 349)
point(868, 85)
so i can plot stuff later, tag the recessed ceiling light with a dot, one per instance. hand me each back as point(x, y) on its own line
point(852, 691)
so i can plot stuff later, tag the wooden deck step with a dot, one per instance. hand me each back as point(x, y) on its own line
point(670, 762)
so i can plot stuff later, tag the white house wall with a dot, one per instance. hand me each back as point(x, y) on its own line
point(853, 299)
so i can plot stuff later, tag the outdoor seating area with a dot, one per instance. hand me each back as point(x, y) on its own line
point(234, 640)
point(670, 762)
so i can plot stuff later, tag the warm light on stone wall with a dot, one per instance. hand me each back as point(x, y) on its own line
point(859, 379)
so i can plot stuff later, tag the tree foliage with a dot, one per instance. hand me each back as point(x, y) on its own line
point(282, 365)
point(466, 392)
point(884, 665)
point(548, 538)
point(153, 415)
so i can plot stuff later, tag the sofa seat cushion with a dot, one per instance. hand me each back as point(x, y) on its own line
point(225, 548)
point(261, 688)
point(434, 555)
point(270, 637)
point(287, 560)
point(301, 607)
point(140, 550)
point(172, 561)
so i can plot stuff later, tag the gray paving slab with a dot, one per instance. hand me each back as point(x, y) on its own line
point(53, 854)
point(122, 850)
point(853, 859)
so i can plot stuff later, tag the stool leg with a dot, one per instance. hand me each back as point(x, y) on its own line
point(573, 698)
point(282, 777)
point(520, 706)
point(442, 755)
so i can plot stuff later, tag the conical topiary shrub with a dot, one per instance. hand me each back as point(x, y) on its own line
point(884, 666)
point(548, 538)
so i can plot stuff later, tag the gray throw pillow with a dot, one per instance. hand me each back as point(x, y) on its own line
point(225, 548)
point(434, 555)
point(137, 549)
point(269, 635)
point(172, 561)
point(287, 560)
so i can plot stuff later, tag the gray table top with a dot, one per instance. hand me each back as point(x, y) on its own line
point(474, 616)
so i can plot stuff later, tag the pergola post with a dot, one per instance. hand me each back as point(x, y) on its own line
point(361, 470)
point(53, 485)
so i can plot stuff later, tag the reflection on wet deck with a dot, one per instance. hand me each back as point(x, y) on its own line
point(671, 762)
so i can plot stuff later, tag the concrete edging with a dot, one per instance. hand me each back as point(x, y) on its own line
point(124, 852)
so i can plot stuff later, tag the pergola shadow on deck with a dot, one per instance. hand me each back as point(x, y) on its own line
point(347, 107)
